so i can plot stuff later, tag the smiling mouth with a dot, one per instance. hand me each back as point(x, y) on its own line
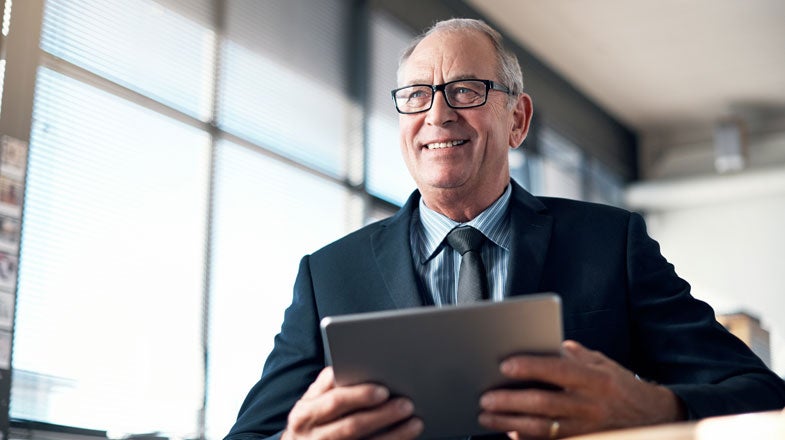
point(440, 145)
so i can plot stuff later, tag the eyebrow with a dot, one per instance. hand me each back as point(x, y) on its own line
point(457, 78)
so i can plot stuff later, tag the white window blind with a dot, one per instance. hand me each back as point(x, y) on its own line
point(604, 185)
point(561, 164)
point(282, 79)
point(388, 177)
point(109, 315)
point(110, 285)
point(267, 216)
point(282, 86)
point(163, 53)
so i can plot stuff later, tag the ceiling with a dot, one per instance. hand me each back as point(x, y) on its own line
point(658, 65)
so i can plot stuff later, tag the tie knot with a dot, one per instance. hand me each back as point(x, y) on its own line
point(465, 239)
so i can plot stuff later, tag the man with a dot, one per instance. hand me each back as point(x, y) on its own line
point(462, 106)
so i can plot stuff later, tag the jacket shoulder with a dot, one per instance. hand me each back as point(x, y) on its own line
point(353, 240)
point(585, 213)
point(360, 240)
point(558, 205)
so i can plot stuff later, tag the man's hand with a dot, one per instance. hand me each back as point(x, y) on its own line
point(597, 394)
point(327, 411)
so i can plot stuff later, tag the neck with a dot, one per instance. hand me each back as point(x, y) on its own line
point(459, 206)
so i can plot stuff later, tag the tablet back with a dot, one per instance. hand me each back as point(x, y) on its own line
point(442, 358)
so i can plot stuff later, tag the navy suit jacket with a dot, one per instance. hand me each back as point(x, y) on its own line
point(619, 296)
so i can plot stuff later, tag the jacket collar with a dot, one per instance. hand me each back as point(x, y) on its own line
point(531, 232)
point(392, 249)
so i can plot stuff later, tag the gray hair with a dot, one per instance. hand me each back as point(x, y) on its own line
point(509, 70)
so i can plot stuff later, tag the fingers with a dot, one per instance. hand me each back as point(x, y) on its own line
point(549, 369)
point(597, 393)
point(523, 426)
point(582, 374)
point(574, 350)
point(409, 429)
point(323, 382)
point(328, 411)
point(332, 404)
point(364, 423)
point(542, 403)
point(571, 370)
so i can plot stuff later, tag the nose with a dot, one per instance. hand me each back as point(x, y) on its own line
point(440, 113)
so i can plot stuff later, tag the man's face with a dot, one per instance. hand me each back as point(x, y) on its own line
point(458, 150)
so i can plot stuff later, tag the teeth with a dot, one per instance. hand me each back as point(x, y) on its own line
point(449, 144)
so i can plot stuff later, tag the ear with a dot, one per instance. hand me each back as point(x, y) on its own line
point(522, 118)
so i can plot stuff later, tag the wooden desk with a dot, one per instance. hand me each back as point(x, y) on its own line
point(769, 425)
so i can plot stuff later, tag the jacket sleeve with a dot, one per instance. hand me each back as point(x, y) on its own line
point(679, 343)
point(295, 361)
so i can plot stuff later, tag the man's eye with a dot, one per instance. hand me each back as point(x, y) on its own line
point(417, 94)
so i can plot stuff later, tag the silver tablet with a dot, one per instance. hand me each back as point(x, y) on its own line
point(442, 358)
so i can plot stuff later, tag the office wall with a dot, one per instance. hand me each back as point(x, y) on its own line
point(724, 233)
point(732, 254)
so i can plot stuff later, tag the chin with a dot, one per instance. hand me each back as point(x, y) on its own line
point(448, 184)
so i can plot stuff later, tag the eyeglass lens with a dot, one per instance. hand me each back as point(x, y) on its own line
point(459, 94)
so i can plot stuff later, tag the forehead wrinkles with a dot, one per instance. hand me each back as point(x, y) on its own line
point(447, 56)
point(444, 68)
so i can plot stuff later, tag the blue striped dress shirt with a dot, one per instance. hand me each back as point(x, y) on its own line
point(437, 263)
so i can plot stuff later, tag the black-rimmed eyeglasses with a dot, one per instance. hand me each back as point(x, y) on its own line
point(462, 93)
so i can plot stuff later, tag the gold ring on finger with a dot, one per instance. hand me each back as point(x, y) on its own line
point(554, 432)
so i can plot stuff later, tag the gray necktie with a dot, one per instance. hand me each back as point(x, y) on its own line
point(472, 281)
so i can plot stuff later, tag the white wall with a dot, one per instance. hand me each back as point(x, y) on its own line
point(726, 236)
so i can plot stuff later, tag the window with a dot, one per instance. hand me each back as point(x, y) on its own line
point(111, 264)
point(132, 198)
point(560, 163)
point(139, 44)
point(267, 216)
point(388, 177)
point(282, 88)
point(110, 281)
point(282, 79)
point(604, 186)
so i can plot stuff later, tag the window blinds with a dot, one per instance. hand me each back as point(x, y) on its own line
point(110, 281)
point(113, 246)
point(282, 79)
point(388, 177)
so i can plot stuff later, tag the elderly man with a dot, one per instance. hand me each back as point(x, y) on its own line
point(640, 349)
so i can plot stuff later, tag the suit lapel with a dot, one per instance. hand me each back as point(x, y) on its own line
point(392, 251)
point(531, 232)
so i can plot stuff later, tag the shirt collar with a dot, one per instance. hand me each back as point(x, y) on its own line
point(493, 222)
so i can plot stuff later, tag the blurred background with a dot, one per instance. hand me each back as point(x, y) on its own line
point(152, 150)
